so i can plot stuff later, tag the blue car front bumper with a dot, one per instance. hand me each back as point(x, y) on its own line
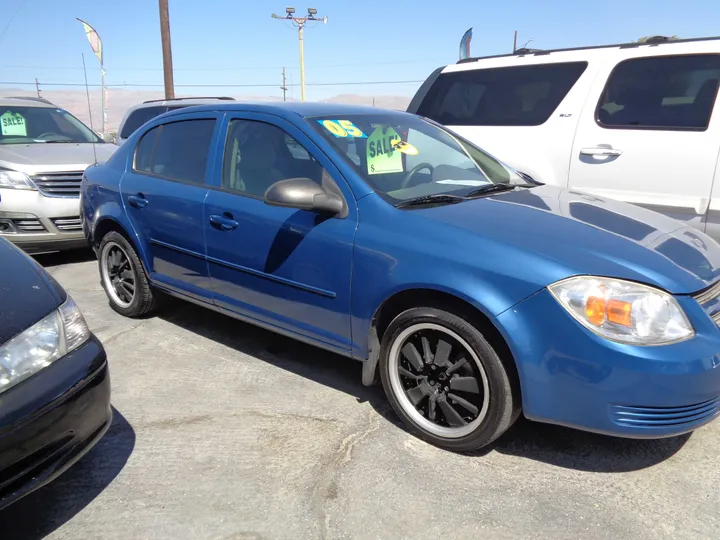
point(571, 376)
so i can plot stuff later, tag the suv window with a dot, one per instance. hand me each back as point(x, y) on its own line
point(508, 96)
point(138, 117)
point(178, 150)
point(258, 154)
point(663, 92)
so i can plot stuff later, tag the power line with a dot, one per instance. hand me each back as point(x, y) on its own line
point(238, 68)
point(230, 85)
point(12, 18)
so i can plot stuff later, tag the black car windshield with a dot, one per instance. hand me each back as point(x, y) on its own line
point(404, 157)
point(40, 125)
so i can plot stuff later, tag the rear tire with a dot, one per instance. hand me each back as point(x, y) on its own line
point(123, 277)
point(445, 381)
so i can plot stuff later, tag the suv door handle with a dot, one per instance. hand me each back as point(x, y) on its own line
point(600, 151)
point(138, 201)
point(224, 222)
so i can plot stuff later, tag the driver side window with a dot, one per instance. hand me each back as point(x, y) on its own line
point(258, 154)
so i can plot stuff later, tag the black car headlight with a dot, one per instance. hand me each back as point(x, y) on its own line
point(49, 339)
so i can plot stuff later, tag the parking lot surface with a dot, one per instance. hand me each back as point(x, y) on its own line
point(225, 431)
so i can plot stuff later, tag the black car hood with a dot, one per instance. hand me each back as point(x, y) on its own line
point(27, 292)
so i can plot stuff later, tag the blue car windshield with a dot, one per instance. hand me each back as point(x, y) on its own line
point(404, 157)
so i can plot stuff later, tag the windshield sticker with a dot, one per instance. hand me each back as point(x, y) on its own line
point(13, 124)
point(381, 156)
point(342, 128)
point(405, 147)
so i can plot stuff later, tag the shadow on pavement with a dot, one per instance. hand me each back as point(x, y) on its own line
point(583, 451)
point(43, 511)
point(65, 257)
point(310, 362)
point(555, 445)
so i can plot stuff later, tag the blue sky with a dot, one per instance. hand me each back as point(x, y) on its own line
point(233, 42)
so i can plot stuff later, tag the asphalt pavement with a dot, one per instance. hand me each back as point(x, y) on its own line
point(225, 431)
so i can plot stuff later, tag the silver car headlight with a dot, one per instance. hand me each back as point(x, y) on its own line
point(59, 333)
point(623, 311)
point(15, 180)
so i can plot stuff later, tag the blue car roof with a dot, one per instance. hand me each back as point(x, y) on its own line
point(285, 108)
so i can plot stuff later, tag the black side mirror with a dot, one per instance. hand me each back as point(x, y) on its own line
point(304, 194)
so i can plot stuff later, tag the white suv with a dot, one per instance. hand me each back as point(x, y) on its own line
point(147, 110)
point(635, 122)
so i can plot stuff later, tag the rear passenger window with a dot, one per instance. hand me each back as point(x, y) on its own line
point(177, 151)
point(663, 92)
point(144, 152)
point(510, 96)
point(138, 117)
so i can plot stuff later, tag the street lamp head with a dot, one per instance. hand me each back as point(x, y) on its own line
point(289, 10)
point(312, 12)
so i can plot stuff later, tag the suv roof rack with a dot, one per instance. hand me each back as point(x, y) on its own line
point(223, 98)
point(30, 98)
point(653, 40)
point(523, 51)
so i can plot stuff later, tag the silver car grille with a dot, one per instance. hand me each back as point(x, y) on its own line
point(68, 224)
point(708, 301)
point(28, 225)
point(58, 184)
point(708, 295)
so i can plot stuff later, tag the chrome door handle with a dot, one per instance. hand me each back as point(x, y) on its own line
point(600, 151)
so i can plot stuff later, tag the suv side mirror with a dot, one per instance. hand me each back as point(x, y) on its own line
point(304, 194)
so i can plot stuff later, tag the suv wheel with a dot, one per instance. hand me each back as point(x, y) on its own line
point(123, 277)
point(445, 380)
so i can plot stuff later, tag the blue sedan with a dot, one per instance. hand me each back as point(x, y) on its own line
point(473, 293)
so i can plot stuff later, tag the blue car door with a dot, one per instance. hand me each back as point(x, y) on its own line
point(163, 194)
point(287, 268)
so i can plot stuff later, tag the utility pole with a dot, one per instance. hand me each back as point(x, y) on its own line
point(284, 86)
point(37, 87)
point(515, 42)
point(300, 22)
point(166, 49)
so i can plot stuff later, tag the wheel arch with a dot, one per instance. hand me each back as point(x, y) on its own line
point(106, 224)
point(449, 301)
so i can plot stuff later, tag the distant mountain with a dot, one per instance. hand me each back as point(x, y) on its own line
point(118, 101)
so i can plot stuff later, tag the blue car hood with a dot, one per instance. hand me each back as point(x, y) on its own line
point(569, 233)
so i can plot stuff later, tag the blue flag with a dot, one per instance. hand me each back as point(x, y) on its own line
point(465, 44)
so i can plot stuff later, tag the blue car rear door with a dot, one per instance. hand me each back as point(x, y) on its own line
point(163, 194)
point(287, 268)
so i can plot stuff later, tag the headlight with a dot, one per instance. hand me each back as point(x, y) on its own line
point(53, 337)
point(15, 180)
point(623, 311)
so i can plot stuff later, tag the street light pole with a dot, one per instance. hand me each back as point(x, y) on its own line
point(300, 22)
point(166, 49)
point(302, 61)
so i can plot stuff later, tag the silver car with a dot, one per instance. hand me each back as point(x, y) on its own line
point(44, 151)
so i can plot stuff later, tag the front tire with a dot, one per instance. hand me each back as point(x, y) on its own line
point(123, 277)
point(445, 381)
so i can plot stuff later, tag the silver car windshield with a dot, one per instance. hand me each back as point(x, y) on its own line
point(42, 125)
